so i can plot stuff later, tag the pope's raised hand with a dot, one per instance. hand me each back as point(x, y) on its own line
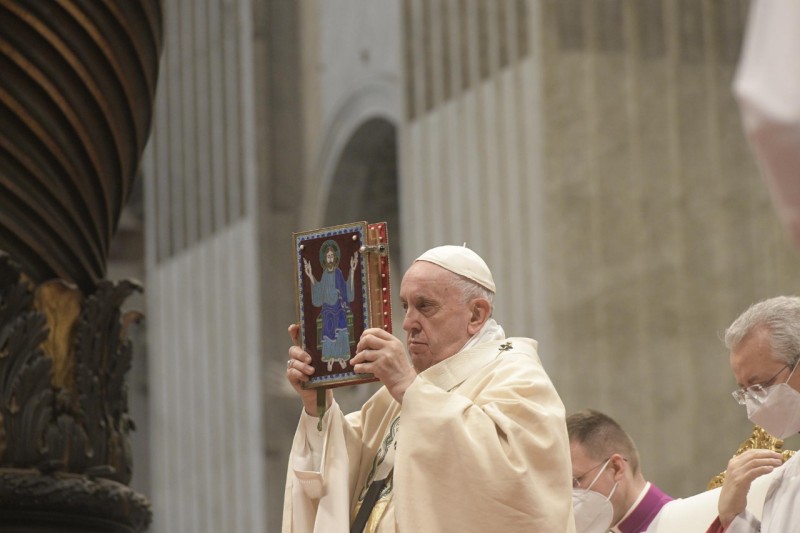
point(741, 472)
point(382, 354)
point(299, 371)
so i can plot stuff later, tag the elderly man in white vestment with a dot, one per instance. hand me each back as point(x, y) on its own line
point(466, 435)
point(764, 344)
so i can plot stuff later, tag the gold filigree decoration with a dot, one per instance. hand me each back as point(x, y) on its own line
point(759, 439)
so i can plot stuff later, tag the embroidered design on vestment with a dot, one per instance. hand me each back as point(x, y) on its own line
point(389, 440)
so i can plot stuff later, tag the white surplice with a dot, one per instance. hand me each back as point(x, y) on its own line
point(781, 512)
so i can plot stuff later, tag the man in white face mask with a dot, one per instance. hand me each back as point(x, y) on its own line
point(609, 490)
point(764, 344)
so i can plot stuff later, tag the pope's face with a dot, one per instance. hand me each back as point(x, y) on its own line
point(437, 321)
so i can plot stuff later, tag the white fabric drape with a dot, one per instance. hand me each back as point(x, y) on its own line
point(767, 87)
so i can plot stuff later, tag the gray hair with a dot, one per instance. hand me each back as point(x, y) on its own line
point(781, 317)
point(471, 290)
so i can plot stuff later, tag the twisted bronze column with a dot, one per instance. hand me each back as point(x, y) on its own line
point(77, 88)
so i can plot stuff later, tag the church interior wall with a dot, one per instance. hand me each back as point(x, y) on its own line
point(205, 397)
point(591, 151)
point(658, 225)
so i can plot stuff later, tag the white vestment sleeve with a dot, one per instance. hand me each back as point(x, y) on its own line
point(767, 86)
point(744, 522)
point(319, 479)
point(314, 438)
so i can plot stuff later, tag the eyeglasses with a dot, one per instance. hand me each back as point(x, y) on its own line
point(577, 480)
point(758, 391)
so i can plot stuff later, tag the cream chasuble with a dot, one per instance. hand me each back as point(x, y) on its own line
point(478, 445)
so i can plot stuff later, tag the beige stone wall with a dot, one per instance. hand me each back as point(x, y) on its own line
point(206, 408)
point(659, 231)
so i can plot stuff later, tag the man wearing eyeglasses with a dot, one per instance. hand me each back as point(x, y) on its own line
point(609, 491)
point(764, 344)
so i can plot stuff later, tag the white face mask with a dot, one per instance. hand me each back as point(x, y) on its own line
point(779, 412)
point(593, 511)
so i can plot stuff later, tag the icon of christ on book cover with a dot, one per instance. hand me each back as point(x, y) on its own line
point(342, 282)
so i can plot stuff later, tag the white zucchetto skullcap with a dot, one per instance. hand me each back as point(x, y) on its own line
point(462, 261)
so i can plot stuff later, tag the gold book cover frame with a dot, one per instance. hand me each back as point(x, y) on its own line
point(341, 278)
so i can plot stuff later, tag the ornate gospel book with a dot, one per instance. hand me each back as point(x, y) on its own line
point(342, 288)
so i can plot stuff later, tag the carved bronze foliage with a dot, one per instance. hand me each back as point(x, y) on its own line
point(76, 420)
point(30, 501)
point(63, 395)
point(25, 391)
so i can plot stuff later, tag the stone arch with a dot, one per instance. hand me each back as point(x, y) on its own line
point(374, 108)
point(364, 182)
